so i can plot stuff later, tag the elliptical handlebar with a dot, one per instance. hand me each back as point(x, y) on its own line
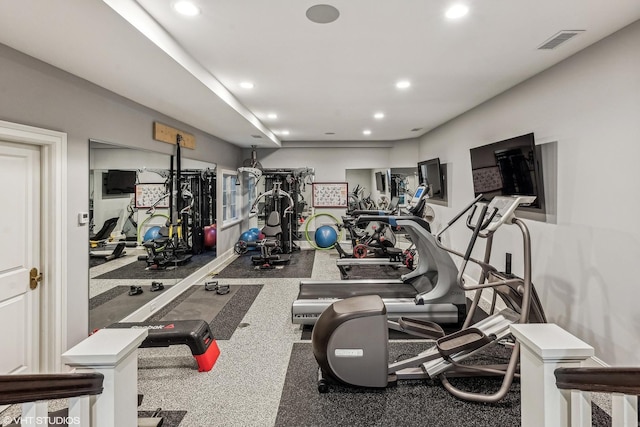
point(462, 212)
point(483, 214)
point(476, 230)
point(480, 229)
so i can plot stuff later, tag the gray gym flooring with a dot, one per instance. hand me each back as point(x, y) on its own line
point(247, 386)
point(265, 376)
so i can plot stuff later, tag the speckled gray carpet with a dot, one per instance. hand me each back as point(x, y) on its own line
point(301, 265)
point(138, 269)
point(223, 312)
point(410, 403)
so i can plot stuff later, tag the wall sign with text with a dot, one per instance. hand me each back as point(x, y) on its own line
point(330, 194)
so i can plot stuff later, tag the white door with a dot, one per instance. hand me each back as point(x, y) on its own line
point(19, 253)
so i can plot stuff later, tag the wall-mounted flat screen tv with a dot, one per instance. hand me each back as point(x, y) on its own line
point(508, 168)
point(430, 174)
point(120, 182)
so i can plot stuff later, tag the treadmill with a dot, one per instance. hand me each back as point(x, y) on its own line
point(430, 292)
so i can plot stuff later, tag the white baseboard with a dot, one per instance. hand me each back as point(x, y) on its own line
point(172, 293)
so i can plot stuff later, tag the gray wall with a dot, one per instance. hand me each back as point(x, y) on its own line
point(36, 94)
point(583, 264)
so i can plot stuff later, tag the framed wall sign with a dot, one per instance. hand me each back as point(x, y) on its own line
point(148, 194)
point(330, 195)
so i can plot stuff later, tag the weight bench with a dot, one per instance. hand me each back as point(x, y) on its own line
point(194, 333)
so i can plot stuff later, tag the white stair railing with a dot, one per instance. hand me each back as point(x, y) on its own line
point(34, 391)
point(114, 354)
point(556, 389)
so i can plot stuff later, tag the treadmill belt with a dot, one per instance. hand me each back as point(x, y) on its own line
point(341, 291)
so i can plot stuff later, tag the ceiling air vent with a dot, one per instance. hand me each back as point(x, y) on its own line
point(416, 129)
point(559, 38)
point(256, 136)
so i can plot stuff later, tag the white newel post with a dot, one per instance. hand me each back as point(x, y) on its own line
point(113, 353)
point(544, 348)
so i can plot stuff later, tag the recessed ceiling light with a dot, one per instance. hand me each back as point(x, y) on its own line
point(457, 11)
point(246, 85)
point(378, 116)
point(272, 116)
point(366, 132)
point(403, 84)
point(284, 132)
point(186, 8)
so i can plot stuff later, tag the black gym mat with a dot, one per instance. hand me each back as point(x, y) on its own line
point(93, 261)
point(410, 403)
point(169, 418)
point(115, 304)
point(301, 265)
point(138, 269)
point(223, 312)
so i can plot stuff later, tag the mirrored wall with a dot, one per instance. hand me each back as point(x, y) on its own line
point(376, 188)
point(150, 227)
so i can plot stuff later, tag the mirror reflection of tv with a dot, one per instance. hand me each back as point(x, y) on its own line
point(380, 182)
point(430, 175)
point(508, 168)
point(120, 182)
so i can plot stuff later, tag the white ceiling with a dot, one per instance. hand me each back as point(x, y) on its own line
point(317, 78)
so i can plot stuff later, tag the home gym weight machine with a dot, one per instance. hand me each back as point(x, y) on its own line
point(350, 338)
point(277, 241)
point(293, 182)
point(190, 211)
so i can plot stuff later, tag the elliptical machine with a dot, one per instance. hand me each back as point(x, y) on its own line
point(350, 339)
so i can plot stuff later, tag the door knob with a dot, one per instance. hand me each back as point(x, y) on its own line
point(34, 278)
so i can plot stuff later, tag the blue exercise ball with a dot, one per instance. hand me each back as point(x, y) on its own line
point(326, 236)
point(249, 236)
point(152, 233)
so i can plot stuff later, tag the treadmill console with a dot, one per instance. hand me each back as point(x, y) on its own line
point(506, 206)
point(421, 193)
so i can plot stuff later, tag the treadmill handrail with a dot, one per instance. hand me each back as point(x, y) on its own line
point(392, 220)
point(370, 212)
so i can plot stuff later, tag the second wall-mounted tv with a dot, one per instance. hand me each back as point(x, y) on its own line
point(508, 168)
point(380, 182)
point(120, 182)
point(430, 174)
